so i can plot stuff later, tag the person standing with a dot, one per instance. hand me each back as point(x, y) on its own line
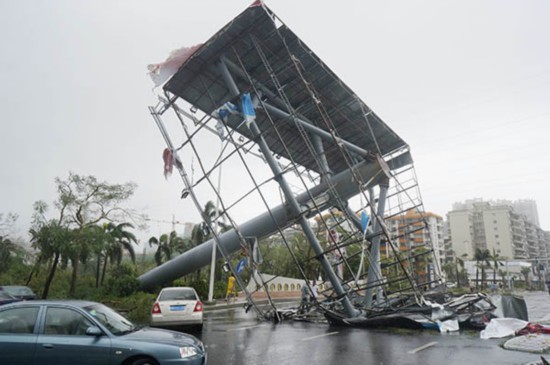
point(304, 299)
point(314, 291)
point(231, 291)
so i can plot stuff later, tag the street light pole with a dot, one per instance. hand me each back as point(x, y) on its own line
point(214, 246)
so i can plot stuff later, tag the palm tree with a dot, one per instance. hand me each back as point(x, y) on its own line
point(202, 231)
point(459, 261)
point(166, 245)
point(482, 258)
point(53, 241)
point(495, 257)
point(119, 240)
point(77, 252)
point(526, 271)
point(123, 239)
point(98, 241)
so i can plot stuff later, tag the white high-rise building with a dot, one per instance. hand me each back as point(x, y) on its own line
point(527, 207)
point(497, 227)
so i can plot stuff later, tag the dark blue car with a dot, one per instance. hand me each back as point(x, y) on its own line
point(18, 291)
point(6, 298)
point(87, 333)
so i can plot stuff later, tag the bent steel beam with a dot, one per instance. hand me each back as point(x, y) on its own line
point(374, 275)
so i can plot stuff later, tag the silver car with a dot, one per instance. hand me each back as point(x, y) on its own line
point(177, 307)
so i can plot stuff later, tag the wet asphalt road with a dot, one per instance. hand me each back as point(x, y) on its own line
point(234, 337)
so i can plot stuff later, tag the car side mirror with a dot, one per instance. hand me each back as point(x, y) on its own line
point(94, 331)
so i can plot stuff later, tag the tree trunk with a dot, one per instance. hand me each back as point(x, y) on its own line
point(97, 270)
point(32, 271)
point(74, 274)
point(104, 270)
point(50, 277)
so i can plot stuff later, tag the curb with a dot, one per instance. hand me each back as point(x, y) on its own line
point(208, 307)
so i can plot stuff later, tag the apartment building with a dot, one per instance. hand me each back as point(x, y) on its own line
point(419, 230)
point(498, 227)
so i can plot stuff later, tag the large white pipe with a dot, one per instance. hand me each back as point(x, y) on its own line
point(264, 225)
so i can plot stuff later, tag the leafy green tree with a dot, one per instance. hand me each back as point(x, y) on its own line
point(53, 241)
point(124, 281)
point(281, 260)
point(305, 255)
point(83, 202)
point(9, 249)
point(450, 271)
point(87, 202)
point(7, 223)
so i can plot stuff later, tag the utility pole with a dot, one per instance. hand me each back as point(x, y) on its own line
point(214, 246)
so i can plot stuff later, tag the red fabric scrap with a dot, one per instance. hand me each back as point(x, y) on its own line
point(533, 328)
point(168, 158)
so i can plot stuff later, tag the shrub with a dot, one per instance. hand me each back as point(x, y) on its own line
point(123, 281)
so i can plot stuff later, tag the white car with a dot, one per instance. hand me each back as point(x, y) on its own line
point(177, 307)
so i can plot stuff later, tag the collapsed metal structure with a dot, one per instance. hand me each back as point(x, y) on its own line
point(298, 149)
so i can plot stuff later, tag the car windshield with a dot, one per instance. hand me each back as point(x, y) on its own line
point(178, 294)
point(5, 295)
point(113, 321)
point(18, 290)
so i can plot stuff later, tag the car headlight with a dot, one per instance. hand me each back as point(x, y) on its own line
point(187, 351)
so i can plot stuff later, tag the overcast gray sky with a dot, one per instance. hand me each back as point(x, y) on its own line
point(466, 83)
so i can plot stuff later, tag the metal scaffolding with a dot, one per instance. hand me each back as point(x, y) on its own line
point(299, 150)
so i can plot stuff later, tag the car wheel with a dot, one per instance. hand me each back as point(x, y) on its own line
point(145, 361)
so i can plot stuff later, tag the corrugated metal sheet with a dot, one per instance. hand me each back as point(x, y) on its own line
point(199, 82)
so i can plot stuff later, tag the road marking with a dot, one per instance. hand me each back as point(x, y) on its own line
point(423, 347)
point(324, 335)
point(244, 328)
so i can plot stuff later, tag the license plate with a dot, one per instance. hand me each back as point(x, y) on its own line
point(177, 307)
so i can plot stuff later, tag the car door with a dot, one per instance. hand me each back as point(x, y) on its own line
point(63, 340)
point(17, 335)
